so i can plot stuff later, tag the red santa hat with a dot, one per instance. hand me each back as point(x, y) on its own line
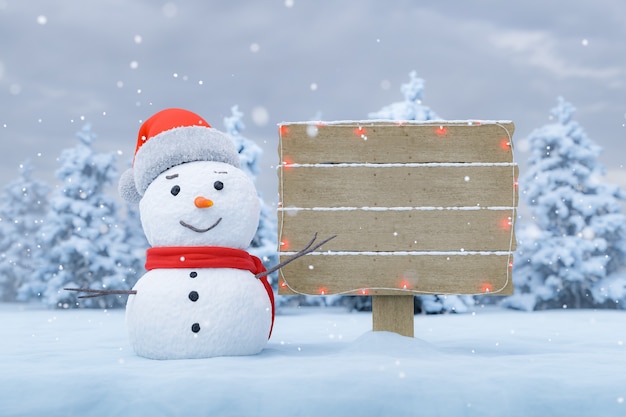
point(172, 137)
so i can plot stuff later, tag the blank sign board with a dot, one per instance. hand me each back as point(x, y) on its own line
point(417, 207)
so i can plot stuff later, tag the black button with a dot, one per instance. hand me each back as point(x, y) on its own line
point(193, 274)
point(193, 296)
point(195, 327)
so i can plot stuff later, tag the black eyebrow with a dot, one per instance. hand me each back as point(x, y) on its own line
point(171, 177)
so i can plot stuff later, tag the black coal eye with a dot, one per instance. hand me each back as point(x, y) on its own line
point(218, 185)
point(175, 190)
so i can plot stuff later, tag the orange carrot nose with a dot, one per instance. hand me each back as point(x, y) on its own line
point(202, 202)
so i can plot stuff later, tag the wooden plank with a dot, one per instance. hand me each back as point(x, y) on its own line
point(406, 230)
point(393, 314)
point(433, 186)
point(375, 274)
point(408, 142)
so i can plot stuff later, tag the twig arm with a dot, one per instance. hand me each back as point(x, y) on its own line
point(304, 251)
point(100, 293)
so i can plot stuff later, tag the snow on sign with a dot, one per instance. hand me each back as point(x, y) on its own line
point(417, 207)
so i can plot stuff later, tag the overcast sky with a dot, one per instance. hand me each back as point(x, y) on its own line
point(113, 63)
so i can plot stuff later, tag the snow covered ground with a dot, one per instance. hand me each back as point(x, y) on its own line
point(323, 362)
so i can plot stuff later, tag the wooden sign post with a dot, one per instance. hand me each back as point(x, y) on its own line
point(417, 207)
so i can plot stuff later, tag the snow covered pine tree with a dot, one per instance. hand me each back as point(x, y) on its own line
point(263, 244)
point(83, 246)
point(136, 241)
point(24, 204)
point(413, 109)
point(572, 253)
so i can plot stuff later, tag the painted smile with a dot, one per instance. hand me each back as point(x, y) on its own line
point(195, 229)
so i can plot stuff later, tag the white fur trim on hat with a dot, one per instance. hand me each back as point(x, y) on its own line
point(126, 187)
point(174, 147)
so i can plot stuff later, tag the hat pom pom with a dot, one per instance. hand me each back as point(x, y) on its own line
point(127, 189)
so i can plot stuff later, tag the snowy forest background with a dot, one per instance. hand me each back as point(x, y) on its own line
point(571, 232)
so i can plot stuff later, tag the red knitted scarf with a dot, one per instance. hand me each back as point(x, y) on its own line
point(208, 257)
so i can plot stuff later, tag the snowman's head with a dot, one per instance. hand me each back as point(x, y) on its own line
point(201, 203)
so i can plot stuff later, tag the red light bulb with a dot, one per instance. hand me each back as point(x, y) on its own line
point(287, 163)
point(441, 131)
point(506, 223)
point(359, 131)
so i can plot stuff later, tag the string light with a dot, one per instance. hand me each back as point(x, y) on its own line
point(287, 163)
point(283, 130)
point(359, 131)
point(505, 144)
point(441, 131)
point(486, 287)
point(506, 223)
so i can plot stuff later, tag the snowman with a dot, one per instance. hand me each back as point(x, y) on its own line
point(201, 296)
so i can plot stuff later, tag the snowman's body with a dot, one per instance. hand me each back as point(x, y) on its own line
point(231, 314)
point(199, 312)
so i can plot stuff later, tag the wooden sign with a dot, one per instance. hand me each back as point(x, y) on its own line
point(417, 207)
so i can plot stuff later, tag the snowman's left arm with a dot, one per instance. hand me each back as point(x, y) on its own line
point(304, 251)
point(100, 293)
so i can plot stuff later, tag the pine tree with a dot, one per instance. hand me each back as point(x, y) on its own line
point(24, 204)
point(83, 243)
point(263, 244)
point(571, 254)
point(135, 238)
point(411, 108)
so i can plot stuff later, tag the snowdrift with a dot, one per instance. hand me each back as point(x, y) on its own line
point(323, 362)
